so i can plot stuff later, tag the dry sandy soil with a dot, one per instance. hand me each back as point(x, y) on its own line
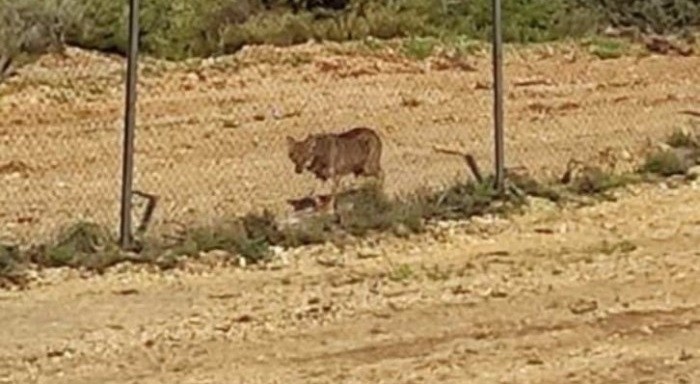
point(210, 138)
point(598, 294)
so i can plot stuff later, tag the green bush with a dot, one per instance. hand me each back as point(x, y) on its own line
point(660, 16)
point(665, 163)
point(608, 48)
point(178, 29)
point(27, 28)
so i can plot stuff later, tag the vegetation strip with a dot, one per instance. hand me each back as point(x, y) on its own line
point(363, 212)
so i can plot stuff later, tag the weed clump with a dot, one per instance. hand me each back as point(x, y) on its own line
point(682, 153)
point(595, 181)
point(607, 48)
point(464, 200)
point(529, 186)
point(360, 212)
point(11, 265)
point(83, 245)
point(250, 236)
point(180, 29)
point(664, 163)
point(369, 209)
point(680, 138)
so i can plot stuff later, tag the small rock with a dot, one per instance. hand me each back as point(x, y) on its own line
point(244, 319)
point(213, 258)
point(694, 172)
point(402, 230)
point(498, 294)
point(330, 262)
point(541, 205)
point(277, 250)
point(313, 300)
point(583, 306)
point(534, 361)
point(368, 253)
point(685, 356)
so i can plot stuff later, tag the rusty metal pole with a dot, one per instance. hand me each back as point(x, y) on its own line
point(499, 139)
point(129, 127)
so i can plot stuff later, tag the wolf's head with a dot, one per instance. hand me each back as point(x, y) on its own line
point(301, 152)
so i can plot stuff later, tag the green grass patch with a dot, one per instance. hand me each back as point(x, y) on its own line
point(682, 153)
point(605, 48)
point(179, 29)
point(418, 48)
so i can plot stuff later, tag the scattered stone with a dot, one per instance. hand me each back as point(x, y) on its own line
point(539, 204)
point(460, 290)
point(694, 172)
point(224, 296)
point(244, 319)
point(685, 356)
point(330, 261)
point(582, 306)
point(368, 253)
point(534, 361)
point(126, 292)
point(544, 230)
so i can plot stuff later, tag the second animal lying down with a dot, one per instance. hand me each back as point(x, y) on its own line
point(357, 151)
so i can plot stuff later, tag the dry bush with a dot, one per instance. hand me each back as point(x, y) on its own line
point(681, 154)
point(657, 16)
point(27, 28)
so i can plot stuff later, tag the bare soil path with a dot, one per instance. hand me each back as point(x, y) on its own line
point(600, 294)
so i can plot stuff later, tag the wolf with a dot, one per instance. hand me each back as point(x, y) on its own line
point(330, 156)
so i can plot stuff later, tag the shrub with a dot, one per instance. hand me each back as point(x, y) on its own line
point(595, 181)
point(659, 16)
point(683, 139)
point(607, 48)
point(369, 209)
point(463, 200)
point(683, 152)
point(665, 163)
point(83, 245)
point(177, 29)
point(419, 48)
point(27, 28)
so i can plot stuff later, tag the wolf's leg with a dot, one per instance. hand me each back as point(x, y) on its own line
point(380, 178)
point(334, 191)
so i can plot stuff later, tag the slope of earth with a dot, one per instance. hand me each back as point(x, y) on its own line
point(598, 294)
point(211, 134)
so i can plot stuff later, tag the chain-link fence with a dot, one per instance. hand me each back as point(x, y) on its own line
point(211, 134)
point(60, 149)
point(564, 103)
point(212, 137)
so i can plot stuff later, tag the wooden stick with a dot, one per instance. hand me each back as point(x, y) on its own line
point(152, 201)
point(468, 158)
point(690, 112)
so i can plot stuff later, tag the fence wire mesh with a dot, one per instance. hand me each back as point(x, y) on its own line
point(564, 103)
point(211, 134)
point(60, 149)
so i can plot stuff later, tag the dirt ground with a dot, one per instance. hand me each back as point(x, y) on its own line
point(211, 134)
point(599, 294)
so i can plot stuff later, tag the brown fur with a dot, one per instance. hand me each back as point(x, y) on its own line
point(331, 156)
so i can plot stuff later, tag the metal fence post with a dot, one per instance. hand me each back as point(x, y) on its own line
point(499, 139)
point(129, 123)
